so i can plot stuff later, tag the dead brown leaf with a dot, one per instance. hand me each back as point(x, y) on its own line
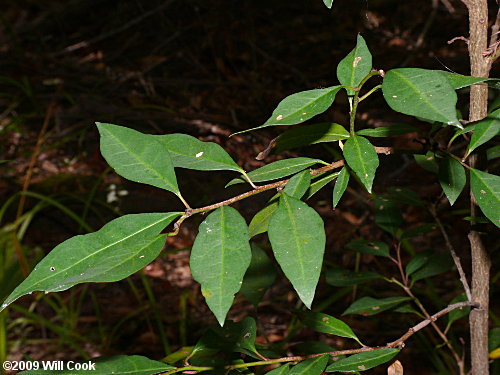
point(395, 369)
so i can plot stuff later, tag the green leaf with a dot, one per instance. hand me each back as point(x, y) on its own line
point(300, 107)
point(137, 157)
point(457, 314)
point(493, 152)
point(355, 66)
point(388, 215)
point(422, 93)
point(418, 261)
point(220, 257)
point(341, 277)
point(319, 183)
point(494, 339)
point(120, 248)
point(282, 370)
point(310, 134)
point(484, 131)
point(387, 131)
point(361, 156)
point(427, 161)
point(458, 81)
point(328, 3)
point(233, 337)
point(191, 153)
point(378, 248)
point(404, 196)
point(407, 309)
point(259, 277)
point(326, 324)
point(470, 127)
point(180, 354)
point(452, 178)
point(419, 230)
point(260, 221)
point(297, 236)
point(278, 169)
point(340, 186)
point(477, 219)
point(298, 184)
point(370, 306)
point(311, 366)
point(436, 265)
point(495, 104)
point(363, 361)
point(486, 190)
point(119, 364)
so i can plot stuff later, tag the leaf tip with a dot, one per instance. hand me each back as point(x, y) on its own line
point(307, 299)
point(221, 321)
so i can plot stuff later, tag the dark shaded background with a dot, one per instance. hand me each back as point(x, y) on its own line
point(206, 68)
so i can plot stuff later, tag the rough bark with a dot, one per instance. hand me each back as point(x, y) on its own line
point(480, 67)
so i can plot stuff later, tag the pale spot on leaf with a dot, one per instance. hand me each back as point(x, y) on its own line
point(482, 192)
point(356, 61)
point(199, 154)
point(280, 117)
point(206, 293)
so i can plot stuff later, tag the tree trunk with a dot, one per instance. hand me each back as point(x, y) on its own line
point(480, 67)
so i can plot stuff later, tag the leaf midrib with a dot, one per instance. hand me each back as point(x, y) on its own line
point(353, 70)
point(412, 86)
point(368, 361)
point(98, 251)
point(276, 112)
point(294, 232)
point(174, 188)
point(206, 150)
point(304, 164)
point(360, 156)
point(223, 242)
point(117, 264)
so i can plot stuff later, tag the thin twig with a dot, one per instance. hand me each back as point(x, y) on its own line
point(448, 6)
point(429, 320)
point(451, 249)
point(356, 99)
point(399, 343)
point(453, 40)
point(495, 29)
point(438, 330)
point(257, 190)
